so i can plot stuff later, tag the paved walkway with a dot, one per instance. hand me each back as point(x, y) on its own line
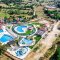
point(46, 44)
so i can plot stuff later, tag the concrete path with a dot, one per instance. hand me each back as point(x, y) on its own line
point(46, 44)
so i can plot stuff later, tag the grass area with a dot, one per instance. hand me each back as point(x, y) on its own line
point(25, 0)
point(24, 11)
point(20, 12)
point(8, 27)
point(58, 53)
point(34, 23)
point(28, 32)
point(4, 14)
point(25, 15)
point(37, 38)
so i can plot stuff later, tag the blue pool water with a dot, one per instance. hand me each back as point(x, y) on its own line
point(6, 38)
point(26, 41)
point(20, 28)
point(1, 30)
point(22, 51)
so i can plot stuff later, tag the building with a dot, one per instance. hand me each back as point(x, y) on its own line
point(40, 31)
point(57, 3)
point(50, 7)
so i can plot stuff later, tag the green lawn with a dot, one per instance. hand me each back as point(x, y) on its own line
point(28, 32)
point(53, 14)
point(34, 23)
point(37, 38)
point(4, 14)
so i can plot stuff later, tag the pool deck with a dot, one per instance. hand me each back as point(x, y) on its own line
point(12, 52)
point(7, 53)
point(33, 42)
point(4, 32)
point(13, 34)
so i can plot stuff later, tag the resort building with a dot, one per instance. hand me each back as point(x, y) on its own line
point(50, 7)
point(40, 31)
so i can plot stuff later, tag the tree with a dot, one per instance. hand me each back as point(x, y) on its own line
point(0, 8)
point(5, 19)
point(2, 49)
point(11, 1)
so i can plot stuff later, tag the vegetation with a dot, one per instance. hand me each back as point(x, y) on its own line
point(28, 32)
point(37, 38)
point(12, 8)
point(56, 56)
point(40, 25)
point(51, 51)
point(58, 50)
point(35, 49)
point(2, 14)
point(9, 1)
point(53, 14)
point(2, 48)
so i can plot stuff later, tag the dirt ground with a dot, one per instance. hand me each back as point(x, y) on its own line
point(39, 11)
point(4, 58)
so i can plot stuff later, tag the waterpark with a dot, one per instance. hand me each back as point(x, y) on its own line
point(5, 36)
point(21, 37)
point(8, 34)
point(29, 30)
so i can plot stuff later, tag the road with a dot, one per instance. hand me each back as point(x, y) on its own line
point(46, 44)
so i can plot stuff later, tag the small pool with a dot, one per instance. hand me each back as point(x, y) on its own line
point(21, 51)
point(6, 38)
point(26, 41)
point(20, 29)
point(1, 30)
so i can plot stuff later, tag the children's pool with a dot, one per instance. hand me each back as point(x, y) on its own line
point(26, 41)
point(21, 51)
point(1, 30)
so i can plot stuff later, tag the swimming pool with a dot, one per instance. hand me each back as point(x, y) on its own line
point(20, 29)
point(26, 41)
point(5, 38)
point(1, 30)
point(21, 51)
